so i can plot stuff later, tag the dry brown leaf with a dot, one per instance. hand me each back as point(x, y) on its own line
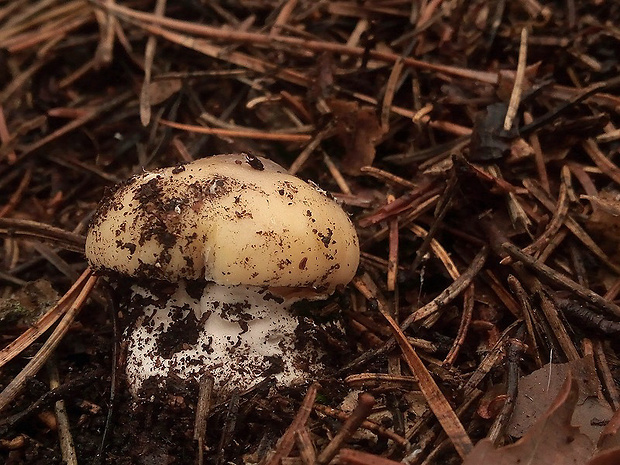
point(538, 390)
point(552, 439)
point(161, 90)
point(608, 447)
point(359, 131)
point(606, 457)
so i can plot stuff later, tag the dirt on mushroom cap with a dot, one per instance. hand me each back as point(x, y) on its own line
point(224, 219)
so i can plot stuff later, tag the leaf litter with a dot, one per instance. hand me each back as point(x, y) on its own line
point(474, 145)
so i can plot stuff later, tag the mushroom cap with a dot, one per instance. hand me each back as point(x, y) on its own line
point(231, 219)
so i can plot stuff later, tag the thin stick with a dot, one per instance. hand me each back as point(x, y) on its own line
point(76, 123)
point(388, 98)
point(387, 176)
point(5, 137)
point(10, 227)
point(561, 280)
point(67, 448)
point(365, 403)
point(149, 54)
point(336, 174)
point(434, 397)
point(202, 411)
point(444, 298)
point(514, 351)
point(393, 243)
point(259, 135)
point(598, 157)
point(306, 449)
point(17, 195)
point(356, 457)
point(311, 147)
point(283, 17)
point(528, 316)
point(441, 210)
point(450, 293)
point(539, 157)
point(488, 362)
point(368, 424)
point(230, 424)
point(570, 223)
point(287, 441)
point(439, 251)
point(606, 376)
point(314, 45)
point(459, 340)
point(517, 89)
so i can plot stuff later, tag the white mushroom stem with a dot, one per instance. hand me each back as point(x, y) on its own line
point(238, 334)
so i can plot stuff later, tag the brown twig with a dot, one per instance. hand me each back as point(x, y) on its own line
point(571, 224)
point(307, 452)
point(285, 137)
point(287, 441)
point(515, 97)
point(67, 447)
point(450, 293)
point(366, 424)
point(514, 350)
point(202, 411)
point(149, 54)
point(548, 273)
point(19, 192)
point(466, 317)
point(356, 457)
point(34, 230)
point(433, 395)
point(365, 403)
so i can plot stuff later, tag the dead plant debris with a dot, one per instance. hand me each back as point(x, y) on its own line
point(474, 144)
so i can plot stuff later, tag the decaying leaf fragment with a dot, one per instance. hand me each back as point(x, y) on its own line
point(608, 445)
point(359, 131)
point(552, 439)
point(160, 91)
point(538, 390)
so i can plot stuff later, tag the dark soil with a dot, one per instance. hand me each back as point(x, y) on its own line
point(397, 109)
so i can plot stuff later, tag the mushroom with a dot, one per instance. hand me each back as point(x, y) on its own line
point(219, 249)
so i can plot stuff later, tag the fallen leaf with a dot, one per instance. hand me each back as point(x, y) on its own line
point(610, 437)
point(606, 457)
point(551, 440)
point(161, 90)
point(608, 447)
point(359, 131)
point(487, 142)
point(538, 390)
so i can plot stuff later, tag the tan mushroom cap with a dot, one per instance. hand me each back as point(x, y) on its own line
point(226, 220)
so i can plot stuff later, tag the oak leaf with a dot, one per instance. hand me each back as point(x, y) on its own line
point(552, 439)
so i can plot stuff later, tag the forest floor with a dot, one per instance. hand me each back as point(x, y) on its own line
point(474, 146)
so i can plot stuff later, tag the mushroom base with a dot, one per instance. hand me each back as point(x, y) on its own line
point(239, 335)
